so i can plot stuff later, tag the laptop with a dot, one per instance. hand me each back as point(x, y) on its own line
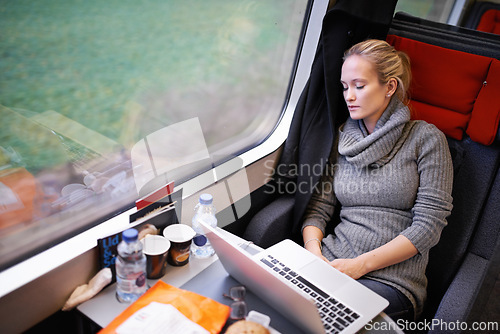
point(310, 293)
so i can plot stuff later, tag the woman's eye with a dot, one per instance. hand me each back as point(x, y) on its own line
point(344, 88)
point(360, 87)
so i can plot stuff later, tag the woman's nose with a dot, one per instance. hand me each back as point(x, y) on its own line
point(348, 95)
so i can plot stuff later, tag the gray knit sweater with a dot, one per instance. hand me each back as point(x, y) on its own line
point(396, 180)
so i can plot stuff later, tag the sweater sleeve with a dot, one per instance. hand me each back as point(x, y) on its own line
point(320, 208)
point(433, 202)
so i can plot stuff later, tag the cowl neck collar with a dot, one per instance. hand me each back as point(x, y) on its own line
point(378, 148)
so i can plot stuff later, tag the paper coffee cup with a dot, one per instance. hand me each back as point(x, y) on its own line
point(180, 237)
point(155, 247)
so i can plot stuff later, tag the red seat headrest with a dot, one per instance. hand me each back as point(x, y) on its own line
point(490, 22)
point(447, 86)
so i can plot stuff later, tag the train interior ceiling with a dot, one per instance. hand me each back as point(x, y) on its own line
point(104, 103)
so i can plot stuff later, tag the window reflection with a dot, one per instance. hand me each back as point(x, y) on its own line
point(164, 150)
point(84, 81)
point(433, 10)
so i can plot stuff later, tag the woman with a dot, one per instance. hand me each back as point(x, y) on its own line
point(392, 179)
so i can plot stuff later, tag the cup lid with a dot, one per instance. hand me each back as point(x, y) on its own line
point(179, 232)
point(155, 245)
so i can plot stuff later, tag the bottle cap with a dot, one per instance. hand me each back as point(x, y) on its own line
point(206, 199)
point(130, 235)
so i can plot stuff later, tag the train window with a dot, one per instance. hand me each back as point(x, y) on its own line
point(433, 10)
point(85, 84)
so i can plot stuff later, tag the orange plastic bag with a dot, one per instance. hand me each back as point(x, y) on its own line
point(204, 311)
point(23, 187)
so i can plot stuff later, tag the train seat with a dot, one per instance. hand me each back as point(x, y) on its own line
point(490, 21)
point(484, 16)
point(458, 92)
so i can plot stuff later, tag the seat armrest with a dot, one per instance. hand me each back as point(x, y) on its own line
point(458, 300)
point(273, 223)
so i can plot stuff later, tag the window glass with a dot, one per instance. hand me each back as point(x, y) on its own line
point(86, 83)
point(433, 10)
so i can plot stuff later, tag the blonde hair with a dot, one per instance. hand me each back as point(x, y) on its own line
point(388, 62)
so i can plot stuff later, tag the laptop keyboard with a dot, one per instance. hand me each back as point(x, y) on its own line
point(335, 315)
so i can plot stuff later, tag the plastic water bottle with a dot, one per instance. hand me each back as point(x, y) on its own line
point(203, 211)
point(130, 268)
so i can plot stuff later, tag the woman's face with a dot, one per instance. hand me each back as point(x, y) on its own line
point(365, 96)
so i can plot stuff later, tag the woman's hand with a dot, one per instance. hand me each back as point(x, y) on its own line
point(395, 251)
point(312, 240)
point(354, 268)
point(314, 247)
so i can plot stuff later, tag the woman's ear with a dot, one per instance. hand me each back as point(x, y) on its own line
point(392, 86)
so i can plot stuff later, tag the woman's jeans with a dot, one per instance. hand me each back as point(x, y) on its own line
point(399, 307)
